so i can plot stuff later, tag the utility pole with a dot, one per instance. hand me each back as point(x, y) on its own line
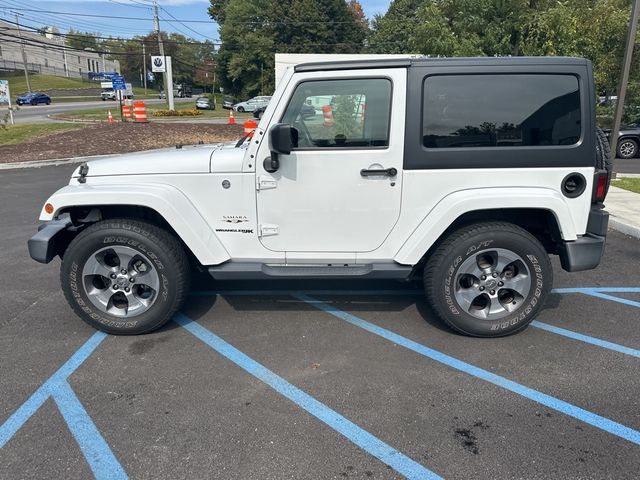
point(624, 80)
point(144, 66)
point(168, 90)
point(24, 54)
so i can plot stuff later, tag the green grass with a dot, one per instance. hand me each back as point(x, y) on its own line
point(631, 184)
point(102, 112)
point(15, 134)
point(18, 85)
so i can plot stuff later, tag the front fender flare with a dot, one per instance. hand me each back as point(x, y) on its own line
point(168, 201)
point(456, 204)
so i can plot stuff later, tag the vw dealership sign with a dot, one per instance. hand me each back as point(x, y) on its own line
point(158, 64)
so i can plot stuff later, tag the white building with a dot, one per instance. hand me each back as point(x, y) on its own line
point(46, 53)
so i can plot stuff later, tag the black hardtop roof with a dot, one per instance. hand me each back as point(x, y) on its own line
point(435, 61)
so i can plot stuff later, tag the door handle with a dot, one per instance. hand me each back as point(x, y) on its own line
point(388, 172)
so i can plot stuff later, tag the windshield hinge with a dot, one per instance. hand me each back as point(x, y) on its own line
point(265, 183)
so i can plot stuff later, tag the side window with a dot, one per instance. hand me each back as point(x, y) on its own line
point(500, 110)
point(350, 113)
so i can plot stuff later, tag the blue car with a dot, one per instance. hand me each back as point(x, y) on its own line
point(33, 98)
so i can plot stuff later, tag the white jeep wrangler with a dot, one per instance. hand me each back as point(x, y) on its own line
point(469, 172)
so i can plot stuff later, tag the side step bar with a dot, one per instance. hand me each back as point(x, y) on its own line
point(255, 271)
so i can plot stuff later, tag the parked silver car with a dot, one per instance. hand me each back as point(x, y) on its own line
point(252, 104)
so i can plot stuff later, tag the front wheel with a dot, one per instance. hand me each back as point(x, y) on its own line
point(488, 279)
point(125, 276)
point(241, 109)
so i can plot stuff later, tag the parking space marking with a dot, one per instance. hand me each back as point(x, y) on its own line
point(586, 338)
point(28, 408)
point(363, 439)
point(604, 296)
point(536, 324)
point(98, 454)
point(95, 450)
point(567, 408)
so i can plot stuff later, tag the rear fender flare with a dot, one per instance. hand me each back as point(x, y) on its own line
point(456, 204)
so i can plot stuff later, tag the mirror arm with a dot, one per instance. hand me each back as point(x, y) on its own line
point(271, 164)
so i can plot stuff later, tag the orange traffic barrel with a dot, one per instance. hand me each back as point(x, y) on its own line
point(139, 112)
point(250, 127)
point(328, 116)
point(126, 112)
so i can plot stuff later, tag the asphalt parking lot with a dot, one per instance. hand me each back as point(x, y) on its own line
point(313, 380)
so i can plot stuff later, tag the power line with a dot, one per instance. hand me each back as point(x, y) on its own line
point(252, 22)
point(132, 39)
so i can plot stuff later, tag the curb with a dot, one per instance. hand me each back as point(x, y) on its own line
point(50, 163)
point(624, 227)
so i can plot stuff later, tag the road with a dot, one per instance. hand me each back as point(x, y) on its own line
point(351, 380)
point(39, 113)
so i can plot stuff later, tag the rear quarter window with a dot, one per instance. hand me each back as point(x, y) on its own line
point(500, 110)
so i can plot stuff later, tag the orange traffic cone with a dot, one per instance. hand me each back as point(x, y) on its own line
point(110, 118)
point(232, 118)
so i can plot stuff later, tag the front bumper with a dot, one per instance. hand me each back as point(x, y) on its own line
point(51, 239)
point(586, 252)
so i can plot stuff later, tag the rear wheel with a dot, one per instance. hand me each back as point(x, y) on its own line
point(124, 276)
point(240, 109)
point(488, 279)
point(627, 148)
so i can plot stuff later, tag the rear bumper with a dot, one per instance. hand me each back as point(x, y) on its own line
point(51, 239)
point(586, 252)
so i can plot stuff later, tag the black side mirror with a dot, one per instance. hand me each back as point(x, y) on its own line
point(282, 138)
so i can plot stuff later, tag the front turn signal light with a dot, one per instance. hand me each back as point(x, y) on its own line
point(48, 208)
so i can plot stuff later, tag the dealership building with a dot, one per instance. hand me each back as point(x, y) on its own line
point(47, 53)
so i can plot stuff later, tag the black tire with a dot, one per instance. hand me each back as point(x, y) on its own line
point(241, 109)
point(627, 148)
point(442, 272)
point(162, 249)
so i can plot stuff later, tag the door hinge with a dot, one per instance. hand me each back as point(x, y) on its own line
point(268, 229)
point(265, 183)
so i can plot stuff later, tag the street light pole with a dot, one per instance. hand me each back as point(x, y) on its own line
point(24, 54)
point(624, 80)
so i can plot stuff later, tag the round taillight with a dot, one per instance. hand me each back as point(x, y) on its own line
point(573, 185)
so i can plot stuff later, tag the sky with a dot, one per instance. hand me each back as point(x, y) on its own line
point(107, 24)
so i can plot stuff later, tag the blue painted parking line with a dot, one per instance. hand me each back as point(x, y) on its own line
point(98, 454)
point(95, 450)
point(574, 411)
point(28, 408)
point(599, 294)
point(586, 338)
point(597, 289)
point(371, 444)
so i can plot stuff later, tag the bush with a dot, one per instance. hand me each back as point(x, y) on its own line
point(177, 113)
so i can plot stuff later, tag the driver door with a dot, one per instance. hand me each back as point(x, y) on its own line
point(339, 189)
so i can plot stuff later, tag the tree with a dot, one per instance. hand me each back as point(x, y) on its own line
point(252, 31)
point(82, 40)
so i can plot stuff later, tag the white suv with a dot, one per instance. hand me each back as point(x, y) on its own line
point(466, 172)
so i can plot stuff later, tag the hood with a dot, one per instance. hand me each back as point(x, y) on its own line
point(228, 158)
point(188, 159)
